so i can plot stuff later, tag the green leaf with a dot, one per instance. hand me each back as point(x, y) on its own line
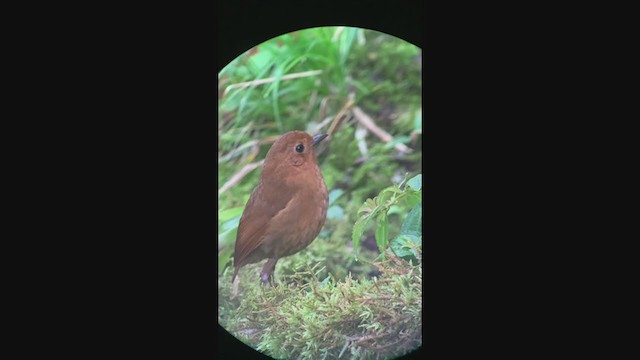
point(415, 182)
point(412, 198)
point(412, 225)
point(386, 194)
point(382, 231)
point(358, 230)
point(368, 207)
point(394, 209)
point(401, 245)
point(230, 213)
point(403, 180)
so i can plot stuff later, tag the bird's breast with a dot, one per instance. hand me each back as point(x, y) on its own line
point(300, 224)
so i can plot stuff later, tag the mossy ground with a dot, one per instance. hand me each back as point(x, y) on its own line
point(312, 314)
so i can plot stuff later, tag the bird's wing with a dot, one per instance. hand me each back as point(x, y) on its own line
point(263, 205)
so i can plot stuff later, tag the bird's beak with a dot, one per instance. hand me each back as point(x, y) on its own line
point(318, 138)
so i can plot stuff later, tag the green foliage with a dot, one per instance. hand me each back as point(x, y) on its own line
point(378, 209)
point(308, 50)
point(383, 70)
point(386, 70)
point(228, 221)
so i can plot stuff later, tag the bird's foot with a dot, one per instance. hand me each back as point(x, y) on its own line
point(267, 279)
point(264, 277)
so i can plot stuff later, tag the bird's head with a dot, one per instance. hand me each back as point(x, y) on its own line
point(292, 153)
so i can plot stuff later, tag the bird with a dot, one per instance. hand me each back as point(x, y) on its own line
point(288, 207)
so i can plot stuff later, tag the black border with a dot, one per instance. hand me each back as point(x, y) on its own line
point(243, 25)
point(116, 169)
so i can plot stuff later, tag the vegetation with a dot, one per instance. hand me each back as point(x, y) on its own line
point(356, 291)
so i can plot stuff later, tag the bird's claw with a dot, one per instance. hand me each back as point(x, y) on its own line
point(267, 279)
point(264, 277)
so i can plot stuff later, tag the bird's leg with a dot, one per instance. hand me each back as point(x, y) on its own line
point(267, 271)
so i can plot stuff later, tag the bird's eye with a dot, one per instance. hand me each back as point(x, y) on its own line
point(299, 148)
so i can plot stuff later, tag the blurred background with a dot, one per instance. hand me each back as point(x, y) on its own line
point(364, 84)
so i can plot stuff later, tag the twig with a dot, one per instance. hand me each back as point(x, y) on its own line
point(366, 120)
point(237, 151)
point(316, 129)
point(235, 179)
point(323, 105)
point(246, 84)
point(346, 107)
point(249, 144)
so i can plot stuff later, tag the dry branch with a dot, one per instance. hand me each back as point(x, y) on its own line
point(249, 144)
point(346, 107)
point(366, 120)
point(323, 105)
point(235, 179)
point(316, 129)
point(246, 84)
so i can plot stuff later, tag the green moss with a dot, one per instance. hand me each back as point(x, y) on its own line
point(309, 316)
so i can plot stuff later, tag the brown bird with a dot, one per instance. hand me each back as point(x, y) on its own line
point(288, 207)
